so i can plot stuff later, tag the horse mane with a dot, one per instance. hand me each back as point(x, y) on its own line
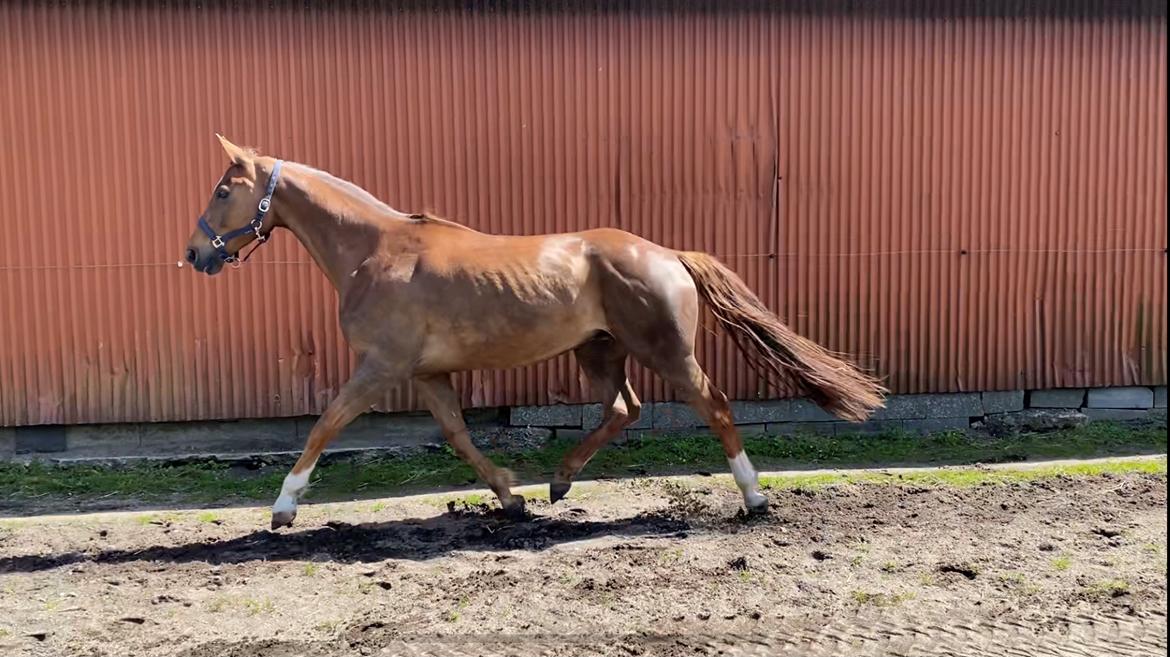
point(431, 218)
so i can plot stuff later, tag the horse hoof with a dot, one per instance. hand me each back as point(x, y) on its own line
point(282, 519)
point(516, 510)
point(758, 507)
point(557, 491)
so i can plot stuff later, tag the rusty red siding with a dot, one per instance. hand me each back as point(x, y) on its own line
point(963, 200)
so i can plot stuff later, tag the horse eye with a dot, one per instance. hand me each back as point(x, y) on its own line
point(222, 192)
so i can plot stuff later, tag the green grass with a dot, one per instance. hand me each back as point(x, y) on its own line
point(455, 614)
point(1063, 562)
point(881, 599)
point(472, 499)
point(157, 518)
point(216, 482)
point(254, 607)
point(1111, 588)
point(965, 477)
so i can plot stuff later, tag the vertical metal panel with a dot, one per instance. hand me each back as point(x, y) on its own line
point(962, 201)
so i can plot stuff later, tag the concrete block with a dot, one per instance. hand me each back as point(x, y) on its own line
point(752, 430)
point(1130, 397)
point(902, 407)
point(802, 410)
point(676, 415)
point(867, 428)
point(591, 417)
point(1058, 398)
point(383, 430)
point(1116, 414)
point(187, 438)
point(760, 412)
point(936, 425)
point(510, 439)
point(1160, 397)
point(800, 429)
point(493, 416)
point(963, 404)
point(1033, 419)
point(1003, 402)
point(40, 439)
point(557, 415)
point(575, 435)
point(108, 441)
point(7, 442)
point(634, 435)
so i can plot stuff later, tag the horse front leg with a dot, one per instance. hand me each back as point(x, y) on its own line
point(368, 382)
point(443, 401)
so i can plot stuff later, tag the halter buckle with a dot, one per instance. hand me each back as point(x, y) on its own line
point(217, 242)
point(264, 203)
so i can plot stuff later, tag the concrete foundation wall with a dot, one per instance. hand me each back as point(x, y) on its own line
point(527, 426)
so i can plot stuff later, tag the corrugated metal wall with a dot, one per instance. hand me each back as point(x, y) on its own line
point(961, 200)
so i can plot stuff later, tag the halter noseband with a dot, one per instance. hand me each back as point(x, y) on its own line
point(220, 241)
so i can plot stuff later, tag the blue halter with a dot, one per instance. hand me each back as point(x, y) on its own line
point(254, 226)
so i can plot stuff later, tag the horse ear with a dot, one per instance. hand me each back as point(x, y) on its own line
point(238, 155)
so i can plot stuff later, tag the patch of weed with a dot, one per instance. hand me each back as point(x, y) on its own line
point(1109, 588)
point(254, 607)
point(456, 614)
point(881, 599)
point(218, 604)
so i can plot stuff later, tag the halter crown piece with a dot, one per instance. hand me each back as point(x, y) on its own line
point(254, 226)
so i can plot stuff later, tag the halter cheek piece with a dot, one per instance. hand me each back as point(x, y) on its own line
point(254, 226)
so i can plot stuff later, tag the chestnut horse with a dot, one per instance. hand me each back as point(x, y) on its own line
point(422, 297)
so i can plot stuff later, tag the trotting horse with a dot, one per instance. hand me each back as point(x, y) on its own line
point(422, 297)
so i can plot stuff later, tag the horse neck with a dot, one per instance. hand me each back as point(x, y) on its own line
point(339, 230)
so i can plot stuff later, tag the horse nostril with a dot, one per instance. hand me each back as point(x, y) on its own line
point(191, 256)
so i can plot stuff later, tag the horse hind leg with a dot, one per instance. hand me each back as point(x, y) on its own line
point(652, 306)
point(603, 361)
point(711, 404)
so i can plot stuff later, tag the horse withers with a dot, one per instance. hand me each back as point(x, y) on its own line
point(422, 297)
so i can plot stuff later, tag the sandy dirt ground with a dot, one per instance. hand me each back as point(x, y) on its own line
point(1063, 566)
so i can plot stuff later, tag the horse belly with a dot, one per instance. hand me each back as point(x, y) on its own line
point(539, 305)
point(494, 345)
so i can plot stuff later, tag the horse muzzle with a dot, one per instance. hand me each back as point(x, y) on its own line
point(204, 260)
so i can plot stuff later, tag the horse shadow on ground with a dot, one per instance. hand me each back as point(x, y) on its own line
point(341, 542)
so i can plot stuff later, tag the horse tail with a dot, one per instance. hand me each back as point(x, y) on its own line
point(769, 345)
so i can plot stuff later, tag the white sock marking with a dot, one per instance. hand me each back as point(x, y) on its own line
point(745, 478)
point(294, 485)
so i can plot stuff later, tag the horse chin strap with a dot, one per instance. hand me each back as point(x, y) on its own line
point(255, 226)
